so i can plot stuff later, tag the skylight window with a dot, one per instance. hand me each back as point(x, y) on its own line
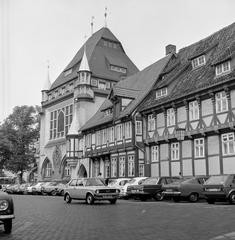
point(68, 72)
point(199, 61)
point(161, 92)
point(223, 68)
point(118, 69)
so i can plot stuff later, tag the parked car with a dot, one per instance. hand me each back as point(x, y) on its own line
point(118, 182)
point(21, 189)
point(150, 188)
point(53, 188)
point(29, 189)
point(133, 181)
point(220, 188)
point(36, 189)
point(11, 189)
point(90, 190)
point(6, 211)
point(189, 189)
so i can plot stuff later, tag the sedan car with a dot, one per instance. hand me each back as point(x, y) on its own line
point(6, 211)
point(220, 188)
point(53, 188)
point(150, 188)
point(36, 189)
point(190, 189)
point(90, 190)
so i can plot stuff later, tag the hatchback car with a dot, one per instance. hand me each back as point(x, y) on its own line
point(53, 188)
point(220, 188)
point(189, 189)
point(90, 190)
point(6, 211)
point(118, 182)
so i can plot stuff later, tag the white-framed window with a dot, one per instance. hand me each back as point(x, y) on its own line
point(105, 43)
point(131, 166)
point(138, 127)
point(141, 170)
point(93, 82)
point(66, 170)
point(104, 136)
point(151, 122)
point(97, 168)
point(81, 145)
point(102, 85)
point(118, 69)
point(161, 92)
point(68, 72)
point(106, 169)
point(111, 134)
point(222, 68)
point(107, 85)
point(128, 130)
point(170, 116)
point(199, 61)
point(221, 102)
point(154, 153)
point(119, 132)
point(228, 144)
point(113, 167)
point(175, 151)
point(88, 140)
point(121, 166)
point(199, 148)
point(98, 138)
point(193, 111)
point(48, 170)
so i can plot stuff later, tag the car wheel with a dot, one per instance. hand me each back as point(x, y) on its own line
point(68, 199)
point(232, 198)
point(210, 201)
point(44, 193)
point(136, 197)
point(62, 193)
point(7, 225)
point(143, 199)
point(158, 196)
point(113, 201)
point(176, 199)
point(89, 199)
point(53, 193)
point(193, 197)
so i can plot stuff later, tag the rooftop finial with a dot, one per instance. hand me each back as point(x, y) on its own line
point(105, 15)
point(92, 25)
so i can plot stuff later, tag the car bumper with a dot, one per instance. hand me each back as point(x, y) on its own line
point(216, 195)
point(171, 194)
point(137, 194)
point(105, 197)
point(5, 217)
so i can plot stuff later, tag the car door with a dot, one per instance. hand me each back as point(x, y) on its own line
point(80, 190)
point(72, 188)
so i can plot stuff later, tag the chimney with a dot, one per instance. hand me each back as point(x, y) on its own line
point(170, 49)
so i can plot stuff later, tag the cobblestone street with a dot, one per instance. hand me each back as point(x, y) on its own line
point(48, 218)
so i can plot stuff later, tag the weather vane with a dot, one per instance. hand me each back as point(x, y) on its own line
point(105, 15)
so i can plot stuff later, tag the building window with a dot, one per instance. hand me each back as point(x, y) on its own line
point(175, 151)
point(128, 130)
point(141, 170)
point(111, 134)
point(48, 171)
point(223, 68)
point(81, 146)
point(122, 167)
point(199, 148)
point(107, 112)
point(151, 122)
point(66, 170)
point(88, 140)
point(118, 69)
point(113, 167)
point(98, 138)
point(104, 136)
point(97, 168)
point(107, 85)
point(228, 144)
point(102, 85)
point(60, 128)
point(139, 127)
point(154, 154)
point(199, 61)
point(105, 43)
point(221, 102)
point(193, 111)
point(119, 132)
point(170, 117)
point(93, 82)
point(114, 45)
point(68, 72)
point(131, 166)
point(106, 169)
point(161, 92)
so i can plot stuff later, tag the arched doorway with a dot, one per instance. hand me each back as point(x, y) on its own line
point(82, 173)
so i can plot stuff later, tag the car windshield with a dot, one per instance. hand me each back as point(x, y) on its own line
point(190, 180)
point(93, 182)
point(132, 181)
point(150, 181)
point(112, 182)
point(217, 180)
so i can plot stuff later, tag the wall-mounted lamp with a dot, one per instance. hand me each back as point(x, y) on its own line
point(180, 133)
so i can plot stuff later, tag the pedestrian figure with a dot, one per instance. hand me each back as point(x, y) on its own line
point(180, 175)
point(100, 175)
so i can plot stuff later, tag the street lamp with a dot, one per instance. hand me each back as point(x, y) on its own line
point(180, 133)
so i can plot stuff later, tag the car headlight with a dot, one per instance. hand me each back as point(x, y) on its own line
point(97, 191)
point(3, 205)
point(117, 191)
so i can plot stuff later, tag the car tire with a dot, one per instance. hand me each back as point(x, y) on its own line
point(193, 197)
point(113, 201)
point(232, 198)
point(62, 193)
point(7, 225)
point(53, 193)
point(67, 198)
point(44, 193)
point(176, 199)
point(158, 196)
point(136, 197)
point(89, 199)
point(210, 201)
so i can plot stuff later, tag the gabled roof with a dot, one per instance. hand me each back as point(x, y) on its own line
point(97, 55)
point(139, 85)
point(188, 80)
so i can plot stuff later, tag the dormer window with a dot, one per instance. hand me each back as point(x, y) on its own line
point(161, 92)
point(68, 72)
point(222, 68)
point(102, 85)
point(199, 61)
point(107, 112)
point(118, 69)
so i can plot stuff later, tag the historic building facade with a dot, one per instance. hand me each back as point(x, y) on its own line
point(72, 99)
point(189, 116)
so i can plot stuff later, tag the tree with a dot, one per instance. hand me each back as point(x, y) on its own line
point(20, 130)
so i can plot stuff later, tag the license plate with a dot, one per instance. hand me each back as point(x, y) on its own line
point(107, 197)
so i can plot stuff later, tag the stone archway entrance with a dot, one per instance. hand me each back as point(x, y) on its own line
point(82, 173)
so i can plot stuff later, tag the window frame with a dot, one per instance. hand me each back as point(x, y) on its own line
point(151, 123)
point(121, 166)
point(155, 154)
point(114, 167)
point(223, 68)
point(175, 151)
point(199, 148)
point(221, 101)
point(227, 144)
point(199, 61)
point(138, 127)
point(131, 166)
point(193, 111)
point(170, 114)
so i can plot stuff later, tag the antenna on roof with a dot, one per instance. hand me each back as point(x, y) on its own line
point(92, 25)
point(105, 15)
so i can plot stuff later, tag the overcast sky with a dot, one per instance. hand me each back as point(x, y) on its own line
point(35, 31)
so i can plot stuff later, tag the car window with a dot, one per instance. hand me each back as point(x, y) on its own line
point(141, 181)
point(112, 182)
point(73, 182)
point(132, 181)
point(79, 183)
point(93, 182)
point(217, 180)
point(122, 183)
point(151, 181)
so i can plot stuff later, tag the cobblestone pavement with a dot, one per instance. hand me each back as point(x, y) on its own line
point(49, 218)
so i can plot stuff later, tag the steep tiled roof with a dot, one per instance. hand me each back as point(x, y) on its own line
point(188, 80)
point(138, 85)
point(97, 55)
